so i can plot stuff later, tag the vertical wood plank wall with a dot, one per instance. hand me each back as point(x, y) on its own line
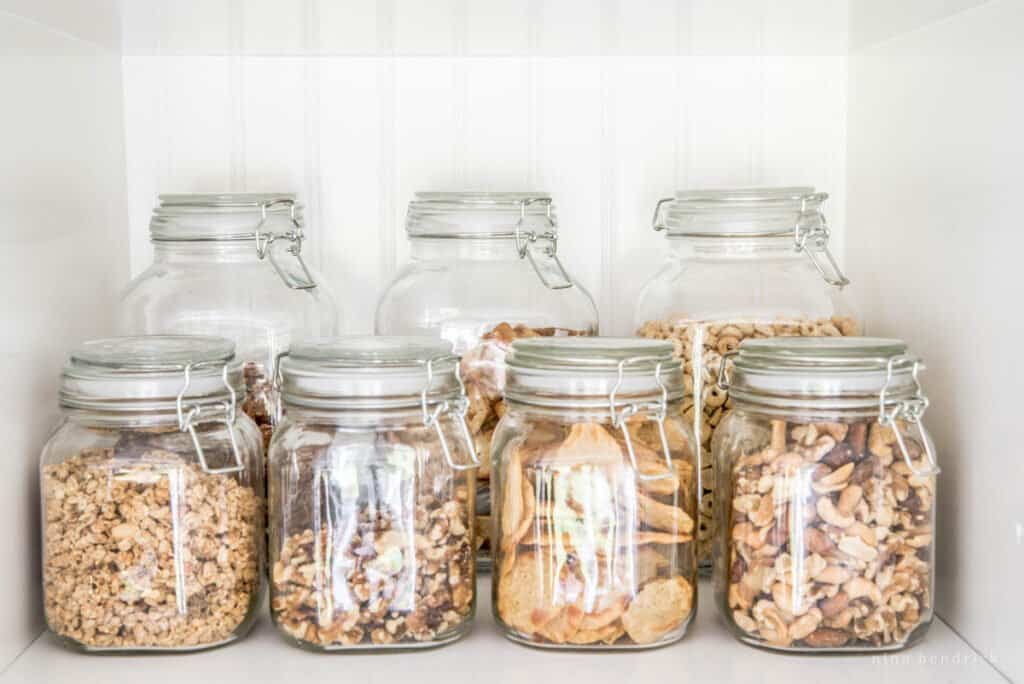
point(608, 105)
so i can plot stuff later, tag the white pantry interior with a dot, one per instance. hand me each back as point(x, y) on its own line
point(906, 112)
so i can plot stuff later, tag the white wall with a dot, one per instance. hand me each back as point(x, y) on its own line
point(63, 252)
point(935, 143)
point(608, 105)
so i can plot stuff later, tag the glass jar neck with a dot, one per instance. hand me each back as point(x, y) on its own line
point(775, 248)
point(390, 419)
point(195, 251)
point(463, 249)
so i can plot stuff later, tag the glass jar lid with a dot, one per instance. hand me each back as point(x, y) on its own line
point(273, 222)
point(150, 372)
point(527, 219)
point(592, 371)
point(754, 213)
point(832, 372)
point(369, 372)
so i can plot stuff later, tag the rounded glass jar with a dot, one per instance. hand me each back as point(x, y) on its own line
point(594, 496)
point(152, 507)
point(231, 265)
point(742, 263)
point(371, 496)
point(484, 272)
point(825, 497)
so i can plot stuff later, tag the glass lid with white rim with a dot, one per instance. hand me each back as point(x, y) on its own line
point(396, 370)
point(475, 215)
point(739, 212)
point(592, 366)
point(821, 366)
point(156, 367)
point(228, 216)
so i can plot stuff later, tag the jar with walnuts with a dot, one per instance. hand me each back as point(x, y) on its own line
point(594, 496)
point(825, 496)
point(152, 498)
point(484, 271)
point(371, 496)
point(741, 263)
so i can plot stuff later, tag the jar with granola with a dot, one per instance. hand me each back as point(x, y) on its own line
point(484, 272)
point(231, 265)
point(371, 496)
point(825, 496)
point(594, 496)
point(741, 263)
point(152, 498)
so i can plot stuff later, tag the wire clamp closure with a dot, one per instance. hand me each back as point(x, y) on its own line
point(814, 239)
point(909, 410)
point(652, 410)
point(541, 248)
point(300, 279)
point(457, 409)
point(216, 412)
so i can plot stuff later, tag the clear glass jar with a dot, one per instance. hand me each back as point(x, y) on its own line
point(231, 265)
point(594, 496)
point(152, 498)
point(825, 497)
point(484, 272)
point(742, 263)
point(371, 496)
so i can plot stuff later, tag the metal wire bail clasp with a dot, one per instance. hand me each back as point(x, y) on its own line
point(458, 409)
point(812, 228)
point(301, 279)
point(196, 413)
point(541, 249)
point(909, 410)
point(653, 410)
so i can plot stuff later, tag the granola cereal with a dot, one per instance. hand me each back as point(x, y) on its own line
point(828, 536)
point(483, 372)
point(589, 554)
point(373, 551)
point(147, 550)
point(700, 345)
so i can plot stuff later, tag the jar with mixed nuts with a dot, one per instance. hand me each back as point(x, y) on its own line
point(231, 265)
point(825, 496)
point(484, 272)
point(371, 496)
point(594, 496)
point(152, 498)
point(742, 263)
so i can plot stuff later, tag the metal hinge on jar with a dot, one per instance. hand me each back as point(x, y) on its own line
point(908, 410)
point(541, 248)
point(457, 409)
point(296, 279)
point(191, 414)
point(656, 411)
point(811, 236)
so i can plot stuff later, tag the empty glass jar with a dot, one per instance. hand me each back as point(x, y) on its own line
point(484, 271)
point(152, 489)
point(594, 496)
point(371, 496)
point(741, 263)
point(825, 496)
point(231, 265)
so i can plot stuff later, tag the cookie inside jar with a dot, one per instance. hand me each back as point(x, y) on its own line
point(594, 525)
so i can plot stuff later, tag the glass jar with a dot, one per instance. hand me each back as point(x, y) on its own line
point(152, 498)
point(825, 497)
point(594, 496)
point(484, 272)
point(371, 496)
point(742, 263)
point(231, 265)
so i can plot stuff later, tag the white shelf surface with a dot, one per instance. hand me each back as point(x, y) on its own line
point(707, 654)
